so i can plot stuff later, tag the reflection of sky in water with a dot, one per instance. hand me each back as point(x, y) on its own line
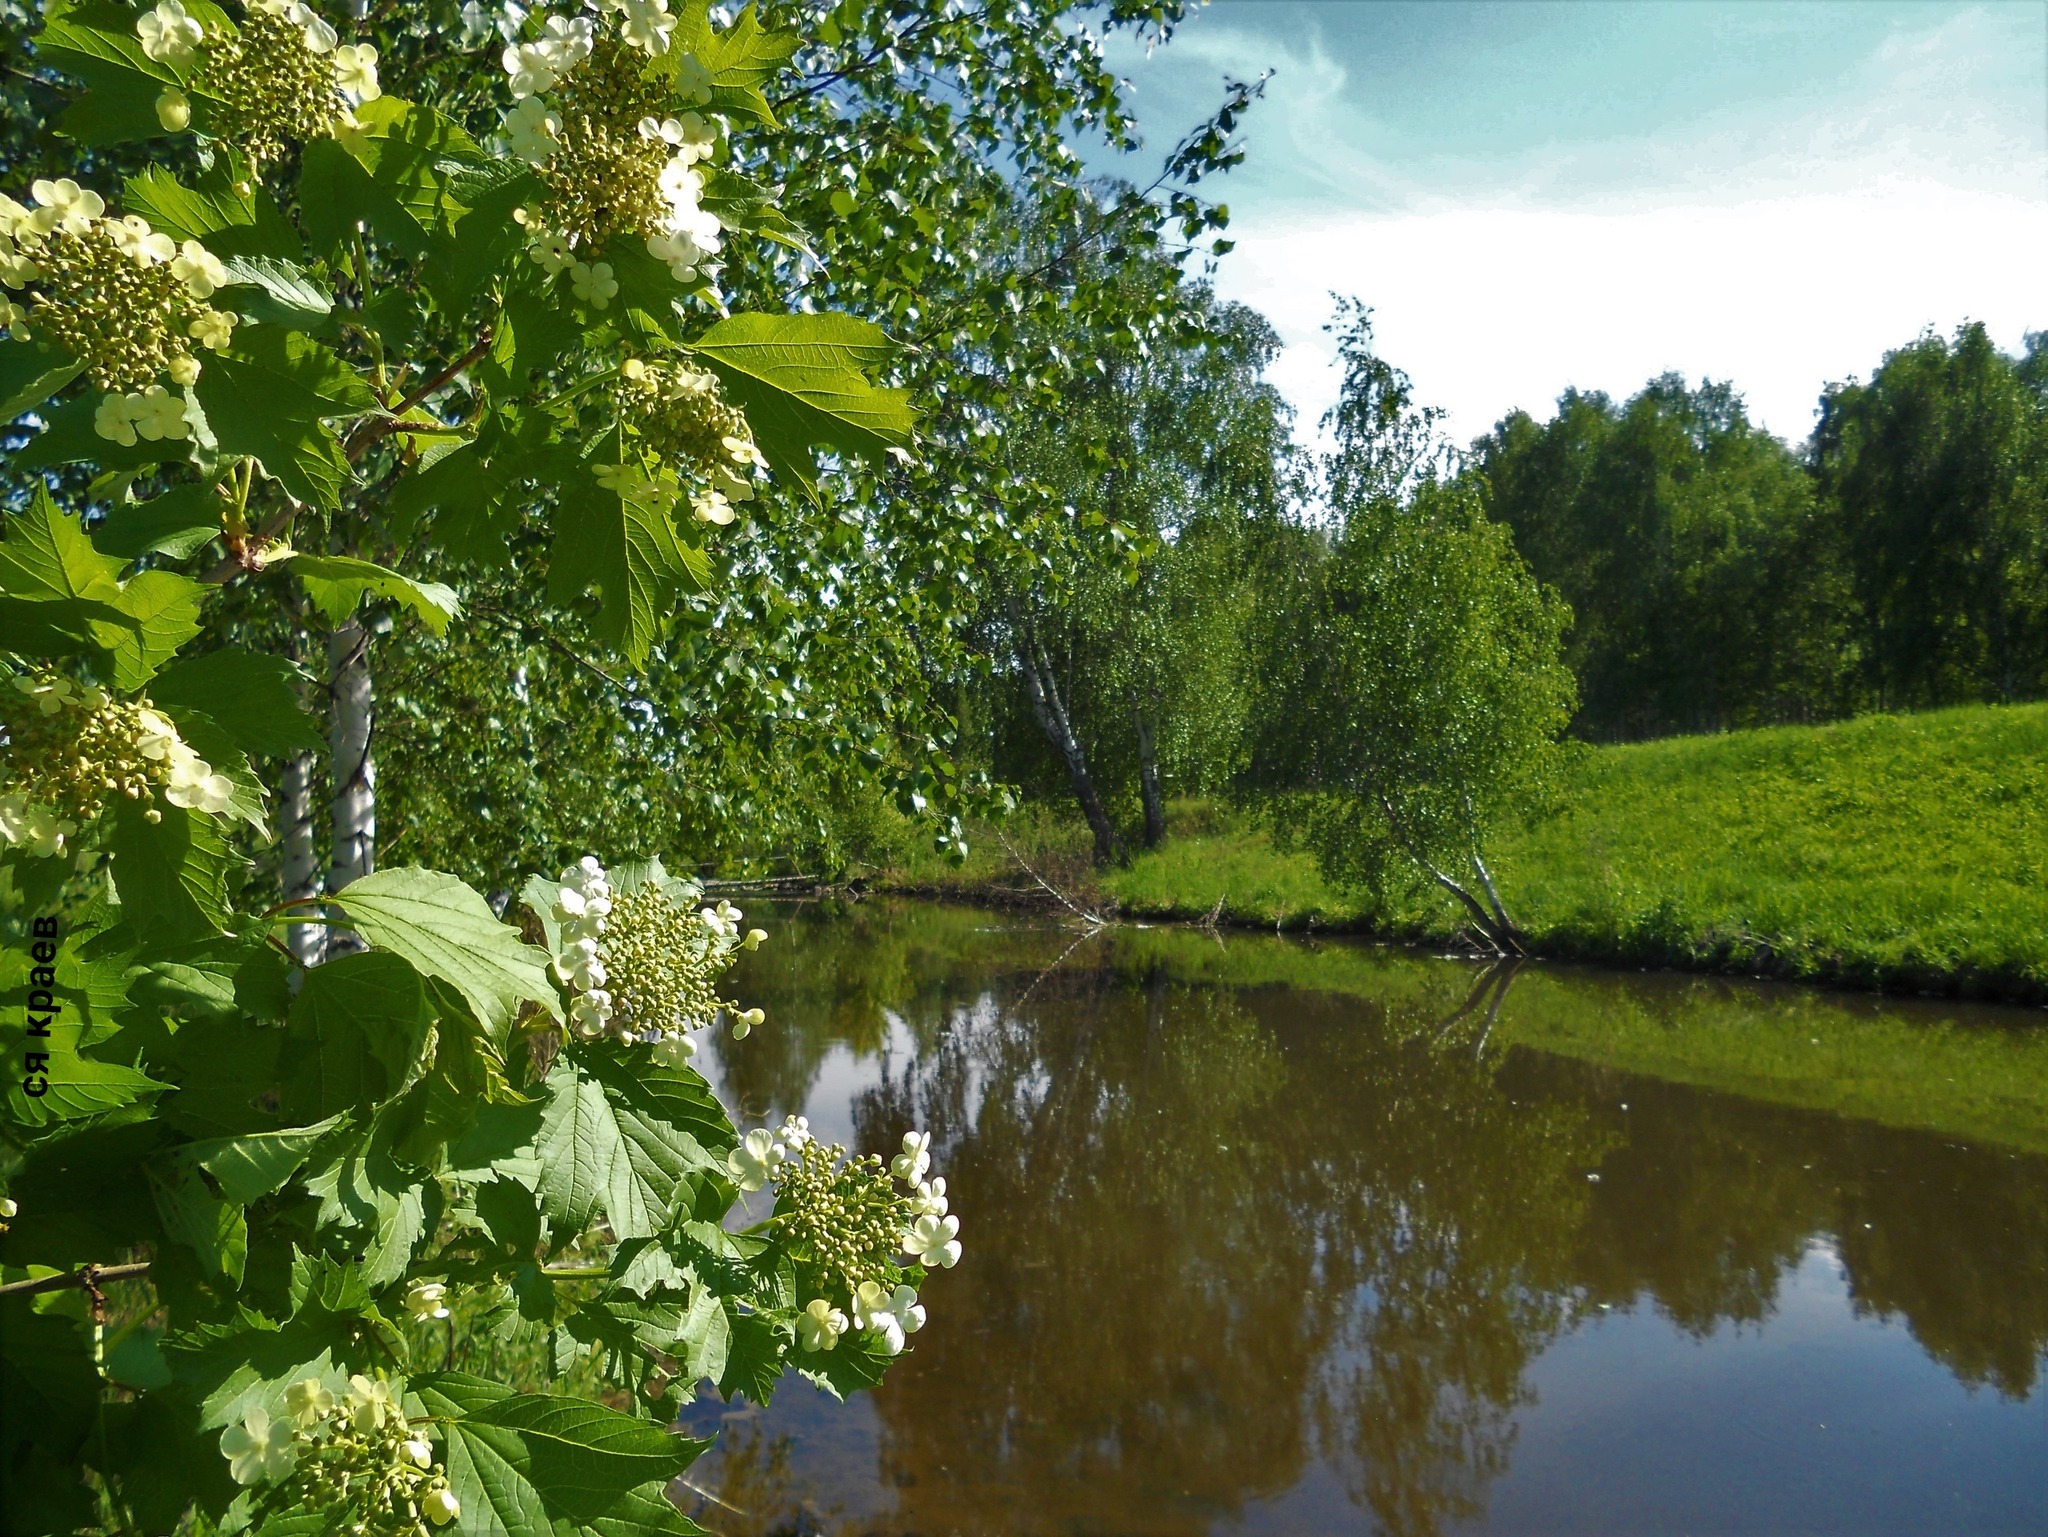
point(1798, 1361)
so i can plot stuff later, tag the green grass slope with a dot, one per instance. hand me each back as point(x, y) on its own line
point(1901, 851)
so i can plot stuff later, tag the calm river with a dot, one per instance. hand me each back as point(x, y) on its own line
point(1266, 1236)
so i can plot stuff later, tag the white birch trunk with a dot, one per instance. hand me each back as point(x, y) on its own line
point(350, 716)
point(301, 874)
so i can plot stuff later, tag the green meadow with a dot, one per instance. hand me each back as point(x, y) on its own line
point(1902, 852)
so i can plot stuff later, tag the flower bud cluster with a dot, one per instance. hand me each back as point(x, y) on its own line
point(71, 748)
point(616, 140)
point(350, 1453)
point(642, 964)
point(848, 1218)
point(127, 300)
point(281, 78)
point(682, 415)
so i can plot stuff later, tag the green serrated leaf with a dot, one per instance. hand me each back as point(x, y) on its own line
point(357, 1029)
point(31, 372)
point(252, 697)
point(161, 613)
point(754, 1356)
point(448, 931)
point(47, 555)
point(181, 521)
point(266, 398)
point(188, 212)
point(800, 380)
point(215, 1230)
point(337, 584)
point(609, 1145)
point(248, 1168)
point(55, 1081)
point(172, 873)
point(627, 547)
point(274, 291)
point(743, 60)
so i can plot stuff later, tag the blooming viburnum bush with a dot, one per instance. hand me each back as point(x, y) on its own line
point(246, 1196)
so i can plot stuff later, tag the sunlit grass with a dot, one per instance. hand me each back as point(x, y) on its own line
point(1904, 851)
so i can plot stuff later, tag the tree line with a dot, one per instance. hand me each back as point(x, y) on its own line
point(1385, 646)
point(1720, 578)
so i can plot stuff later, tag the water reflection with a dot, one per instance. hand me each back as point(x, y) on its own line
point(1230, 1245)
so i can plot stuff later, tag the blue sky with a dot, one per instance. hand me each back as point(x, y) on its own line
point(1533, 195)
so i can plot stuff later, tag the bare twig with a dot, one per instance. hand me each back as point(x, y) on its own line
point(87, 1278)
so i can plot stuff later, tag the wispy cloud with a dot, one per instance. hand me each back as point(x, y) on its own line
point(1777, 238)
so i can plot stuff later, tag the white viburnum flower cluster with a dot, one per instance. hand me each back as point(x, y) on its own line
point(71, 749)
point(642, 963)
point(283, 76)
point(847, 1218)
point(681, 415)
point(346, 1448)
point(616, 138)
point(127, 300)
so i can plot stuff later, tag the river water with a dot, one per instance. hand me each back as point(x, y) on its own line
point(1270, 1237)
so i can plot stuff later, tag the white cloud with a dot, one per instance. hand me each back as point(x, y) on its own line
point(1491, 309)
point(1775, 241)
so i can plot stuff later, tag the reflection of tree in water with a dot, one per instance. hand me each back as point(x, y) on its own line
point(1214, 1234)
point(831, 979)
point(1200, 1257)
point(1713, 1199)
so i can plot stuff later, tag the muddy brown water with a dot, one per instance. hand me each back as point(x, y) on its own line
point(1252, 1255)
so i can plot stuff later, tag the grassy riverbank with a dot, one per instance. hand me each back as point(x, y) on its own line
point(1903, 852)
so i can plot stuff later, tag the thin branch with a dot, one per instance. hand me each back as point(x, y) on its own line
point(87, 1278)
point(554, 644)
point(370, 433)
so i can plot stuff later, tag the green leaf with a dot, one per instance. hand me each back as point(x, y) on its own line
point(677, 1097)
point(194, 212)
point(535, 1464)
point(799, 378)
point(227, 1077)
point(47, 555)
point(336, 194)
point(629, 550)
point(31, 372)
point(139, 625)
point(486, 236)
point(358, 1027)
point(854, 1365)
point(161, 613)
point(215, 1230)
point(271, 290)
point(753, 1356)
point(172, 874)
point(181, 521)
point(74, 1086)
point(446, 930)
point(472, 509)
point(743, 60)
point(337, 584)
point(248, 1168)
point(365, 1187)
point(607, 1144)
point(98, 38)
point(414, 154)
point(253, 697)
point(265, 398)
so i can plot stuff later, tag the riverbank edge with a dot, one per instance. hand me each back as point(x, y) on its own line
point(1746, 956)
